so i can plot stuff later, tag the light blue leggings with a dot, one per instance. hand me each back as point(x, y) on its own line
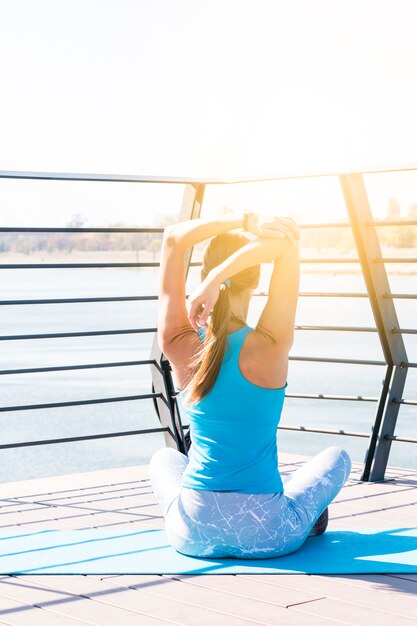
point(241, 525)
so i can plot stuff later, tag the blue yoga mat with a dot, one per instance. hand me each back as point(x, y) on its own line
point(93, 551)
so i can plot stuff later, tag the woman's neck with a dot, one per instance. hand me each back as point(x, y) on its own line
point(235, 324)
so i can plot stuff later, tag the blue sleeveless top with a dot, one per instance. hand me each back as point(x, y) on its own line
point(234, 430)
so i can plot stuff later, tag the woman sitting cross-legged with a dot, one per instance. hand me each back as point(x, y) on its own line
point(227, 498)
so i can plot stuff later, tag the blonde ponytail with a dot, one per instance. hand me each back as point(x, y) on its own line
point(208, 359)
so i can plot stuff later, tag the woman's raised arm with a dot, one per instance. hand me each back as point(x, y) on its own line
point(174, 321)
point(187, 234)
point(201, 302)
point(174, 327)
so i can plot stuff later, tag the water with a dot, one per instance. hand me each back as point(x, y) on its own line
point(303, 377)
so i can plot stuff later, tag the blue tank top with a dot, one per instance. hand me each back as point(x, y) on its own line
point(234, 430)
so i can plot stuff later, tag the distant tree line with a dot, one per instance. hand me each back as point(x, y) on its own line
point(338, 238)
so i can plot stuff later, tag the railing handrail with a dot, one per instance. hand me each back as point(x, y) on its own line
point(180, 180)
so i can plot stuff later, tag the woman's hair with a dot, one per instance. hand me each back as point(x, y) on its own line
point(206, 364)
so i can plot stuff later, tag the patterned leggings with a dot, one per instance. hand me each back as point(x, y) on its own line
point(232, 524)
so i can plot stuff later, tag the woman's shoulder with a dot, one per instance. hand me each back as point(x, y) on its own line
point(262, 361)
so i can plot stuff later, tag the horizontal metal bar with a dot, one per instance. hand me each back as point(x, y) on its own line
point(50, 266)
point(331, 294)
point(326, 432)
point(357, 329)
point(82, 229)
point(46, 442)
point(323, 396)
point(78, 300)
point(322, 294)
point(402, 401)
point(404, 439)
point(64, 368)
point(26, 266)
point(88, 333)
point(131, 229)
point(315, 359)
point(130, 331)
point(391, 223)
point(404, 331)
point(326, 225)
point(56, 405)
point(134, 229)
point(397, 259)
point(405, 296)
point(175, 180)
point(155, 297)
point(61, 266)
point(330, 260)
point(96, 178)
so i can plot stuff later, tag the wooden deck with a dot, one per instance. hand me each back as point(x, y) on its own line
point(123, 497)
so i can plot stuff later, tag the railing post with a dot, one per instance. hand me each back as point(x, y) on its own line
point(385, 315)
point(167, 410)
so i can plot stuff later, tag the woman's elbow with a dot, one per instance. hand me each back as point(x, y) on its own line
point(164, 341)
point(170, 237)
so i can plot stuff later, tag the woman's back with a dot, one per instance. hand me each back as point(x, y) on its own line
point(234, 430)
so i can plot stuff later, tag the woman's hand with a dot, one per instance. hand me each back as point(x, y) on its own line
point(279, 227)
point(201, 302)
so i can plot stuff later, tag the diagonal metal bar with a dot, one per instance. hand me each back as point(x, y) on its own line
point(383, 308)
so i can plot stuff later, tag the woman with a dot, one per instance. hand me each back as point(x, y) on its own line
point(227, 498)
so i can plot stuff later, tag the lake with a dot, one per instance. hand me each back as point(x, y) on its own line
point(303, 377)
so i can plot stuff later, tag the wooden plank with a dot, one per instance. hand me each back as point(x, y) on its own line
point(215, 586)
point(82, 480)
point(387, 583)
point(52, 515)
point(352, 523)
point(115, 597)
point(14, 613)
point(198, 603)
point(120, 489)
point(324, 612)
point(386, 498)
point(338, 588)
point(350, 613)
point(388, 514)
point(72, 605)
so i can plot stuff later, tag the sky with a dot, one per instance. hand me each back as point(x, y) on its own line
point(204, 89)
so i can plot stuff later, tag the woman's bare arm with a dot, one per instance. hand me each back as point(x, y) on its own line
point(173, 319)
point(201, 302)
point(277, 320)
point(187, 234)
point(173, 324)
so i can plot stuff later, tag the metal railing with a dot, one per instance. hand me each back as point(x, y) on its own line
point(364, 229)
